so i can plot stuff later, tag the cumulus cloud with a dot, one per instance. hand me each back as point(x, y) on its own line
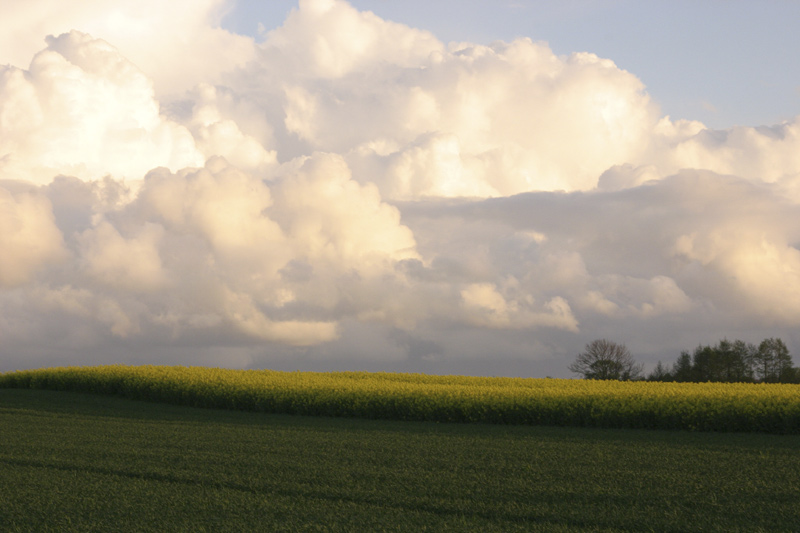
point(214, 122)
point(351, 189)
point(329, 39)
point(83, 110)
point(473, 120)
point(423, 119)
point(692, 239)
point(29, 237)
point(179, 44)
point(764, 153)
point(486, 306)
point(213, 247)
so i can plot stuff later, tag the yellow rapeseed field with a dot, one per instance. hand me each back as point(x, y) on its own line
point(773, 408)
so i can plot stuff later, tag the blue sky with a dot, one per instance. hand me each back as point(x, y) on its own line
point(723, 63)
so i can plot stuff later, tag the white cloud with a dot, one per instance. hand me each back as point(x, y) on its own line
point(758, 263)
point(220, 204)
point(29, 237)
point(487, 307)
point(640, 297)
point(82, 109)
point(477, 120)
point(131, 264)
point(214, 125)
point(330, 39)
point(332, 218)
point(178, 43)
point(355, 186)
point(757, 153)
point(244, 313)
point(214, 248)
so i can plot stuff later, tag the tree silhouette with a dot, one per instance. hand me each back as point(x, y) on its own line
point(736, 361)
point(603, 359)
point(772, 362)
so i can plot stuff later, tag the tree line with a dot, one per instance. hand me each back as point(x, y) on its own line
point(727, 361)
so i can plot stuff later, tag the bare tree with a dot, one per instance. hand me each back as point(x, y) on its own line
point(604, 359)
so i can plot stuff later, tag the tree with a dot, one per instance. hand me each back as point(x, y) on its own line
point(727, 361)
point(604, 359)
point(743, 370)
point(659, 373)
point(792, 375)
point(705, 364)
point(682, 370)
point(737, 361)
point(772, 362)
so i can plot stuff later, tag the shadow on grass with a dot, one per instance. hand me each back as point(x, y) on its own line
point(45, 402)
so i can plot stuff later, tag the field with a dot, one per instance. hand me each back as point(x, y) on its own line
point(88, 462)
point(742, 407)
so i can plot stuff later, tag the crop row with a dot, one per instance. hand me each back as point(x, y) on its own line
point(771, 408)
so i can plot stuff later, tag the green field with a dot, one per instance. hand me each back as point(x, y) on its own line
point(83, 462)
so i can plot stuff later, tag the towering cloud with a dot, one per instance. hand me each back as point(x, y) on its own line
point(178, 44)
point(83, 110)
point(352, 189)
point(424, 119)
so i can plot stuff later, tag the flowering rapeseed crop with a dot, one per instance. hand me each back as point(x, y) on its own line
point(773, 408)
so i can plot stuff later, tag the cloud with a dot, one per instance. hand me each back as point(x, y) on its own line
point(290, 249)
point(488, 307)
point(477, 120)
point(661, 248)
point(423, 119)
point(765, 153)
point(328, 39)
point(335, 219)
point(352, 191)
point(215, 123)
point(107, 257)
point(419, 118)
point(29, 237)
point(83, 110)
point(178, 44)
point(213, 248)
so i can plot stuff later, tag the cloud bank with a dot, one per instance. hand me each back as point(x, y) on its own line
point(354, 193)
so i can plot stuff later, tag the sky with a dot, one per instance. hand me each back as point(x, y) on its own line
point(441, 187)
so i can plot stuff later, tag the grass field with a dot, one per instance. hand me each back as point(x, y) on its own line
point(83, 462)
